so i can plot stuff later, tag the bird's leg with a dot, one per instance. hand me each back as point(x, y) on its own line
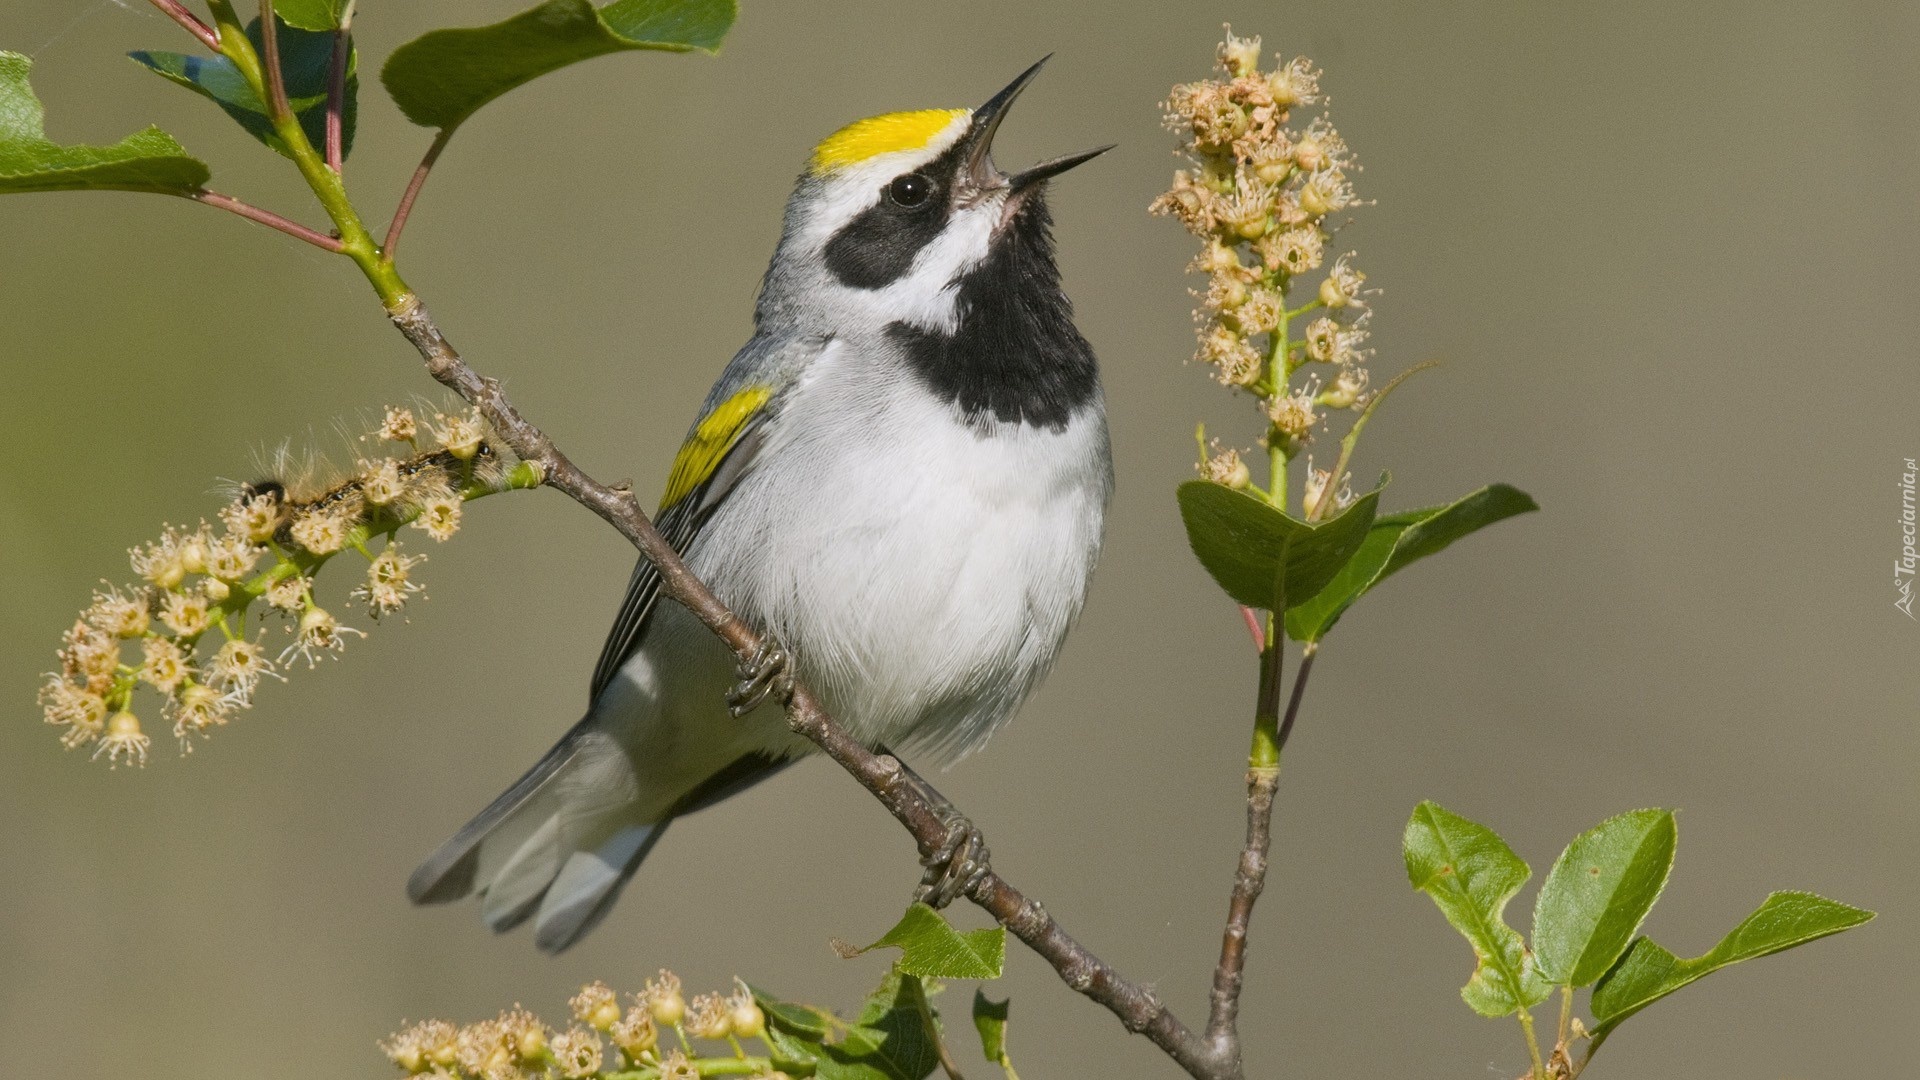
point(961, 860)
point(768, 674)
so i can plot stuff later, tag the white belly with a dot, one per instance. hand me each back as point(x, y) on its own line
point(923, 573)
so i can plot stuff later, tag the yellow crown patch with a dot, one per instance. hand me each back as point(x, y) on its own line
point(877, 135)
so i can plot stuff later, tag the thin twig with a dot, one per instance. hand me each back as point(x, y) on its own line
point(268, 218)
point(401, 213)
point(188, 20)
point(1250, 875)
point(1138, 1009)
point(277, 107)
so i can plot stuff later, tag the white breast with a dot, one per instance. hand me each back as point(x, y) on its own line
point(922, 571)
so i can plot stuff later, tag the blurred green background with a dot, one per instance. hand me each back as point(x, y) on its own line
point(1666, 251)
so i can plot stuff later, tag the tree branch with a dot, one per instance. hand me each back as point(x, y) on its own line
point(1137, 1007)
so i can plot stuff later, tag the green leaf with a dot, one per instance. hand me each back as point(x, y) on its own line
point(990, 1019)
point(889, 1040)
point(306, 60)
point(312, 14)
point(931, 948)
point(442, 77)
point(149, 160)
point(1394, 541)
point(1648, 972)
point(1471, 874)
point(1265, 558)
point(1598, 892)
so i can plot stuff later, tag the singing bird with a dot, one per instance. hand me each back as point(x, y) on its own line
point(901, 480)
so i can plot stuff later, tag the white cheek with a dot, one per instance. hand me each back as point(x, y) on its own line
point(925, 295)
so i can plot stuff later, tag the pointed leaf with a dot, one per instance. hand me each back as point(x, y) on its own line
point(931, 948)
point(1598, 892)
point(1648, 972)
point(990, 1019)
point(442, 77)
point(149, 160)
point(1396, 540)
point(306, 60)
point(1471, 874)
point(1265, 558)
point(889, 1040)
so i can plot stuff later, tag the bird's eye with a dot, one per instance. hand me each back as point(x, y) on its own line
point(910, 190)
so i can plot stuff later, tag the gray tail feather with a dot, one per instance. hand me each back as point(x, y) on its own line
point(450, 872)
point(548, 851)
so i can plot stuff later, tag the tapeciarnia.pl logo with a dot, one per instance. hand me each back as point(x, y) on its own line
point(1903, 567)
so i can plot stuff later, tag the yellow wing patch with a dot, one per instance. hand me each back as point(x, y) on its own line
point(878, 135)
point(711, 439)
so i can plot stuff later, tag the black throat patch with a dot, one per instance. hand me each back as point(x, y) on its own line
point(1014, 354)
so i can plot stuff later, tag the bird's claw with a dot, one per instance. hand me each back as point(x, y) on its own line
point(768, 674)
point(956, 866)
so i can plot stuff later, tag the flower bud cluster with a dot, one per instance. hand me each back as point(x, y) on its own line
point(183, 629)
point(1265, 196)
point(603, 1039)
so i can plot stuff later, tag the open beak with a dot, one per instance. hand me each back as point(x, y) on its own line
point(979, 167)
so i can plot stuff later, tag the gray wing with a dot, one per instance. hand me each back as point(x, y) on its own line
point(762, 361)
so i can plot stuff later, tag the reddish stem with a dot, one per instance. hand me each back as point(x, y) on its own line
point(189, 22)
point(405, 209)
point(336, 100)
point(277, 106)
point(269, 219)
point(1254, 627)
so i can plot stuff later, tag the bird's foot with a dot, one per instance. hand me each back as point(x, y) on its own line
point(957, 865)
point(768, 674)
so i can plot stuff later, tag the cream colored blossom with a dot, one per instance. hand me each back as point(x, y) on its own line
point(81, 711)
point(664, 1000)
point(707, 1017)
point(577, 1053)
point(675, 1066)
point(255, 517)
point(163, 664)
point(325, 530)
point(460, 434)
point(439, 516)
point(196, 710)
point(387, 587)
point(1226, 468)
point(596, 1006)
point(1349, 390)
point(123, 739)
point(381, 482)
point(1342, 288)
point(186, 614)
point(635, 1034)
point(398, 425)
point(290, 593)
point(1297, 250)
point(118, 616)
point(319, 633)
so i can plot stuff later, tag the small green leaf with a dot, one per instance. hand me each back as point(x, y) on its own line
point(1598, 892)
point(306, 60)
point(990, 1019)
point(931, 948)
point(1648, 972)
point(312, 14)
point(442, 77)
point(1471, 874)
point(802, 1019)
point(1394, 541)
point(1265, 558)
point(149, 160)
point(889, 1040)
